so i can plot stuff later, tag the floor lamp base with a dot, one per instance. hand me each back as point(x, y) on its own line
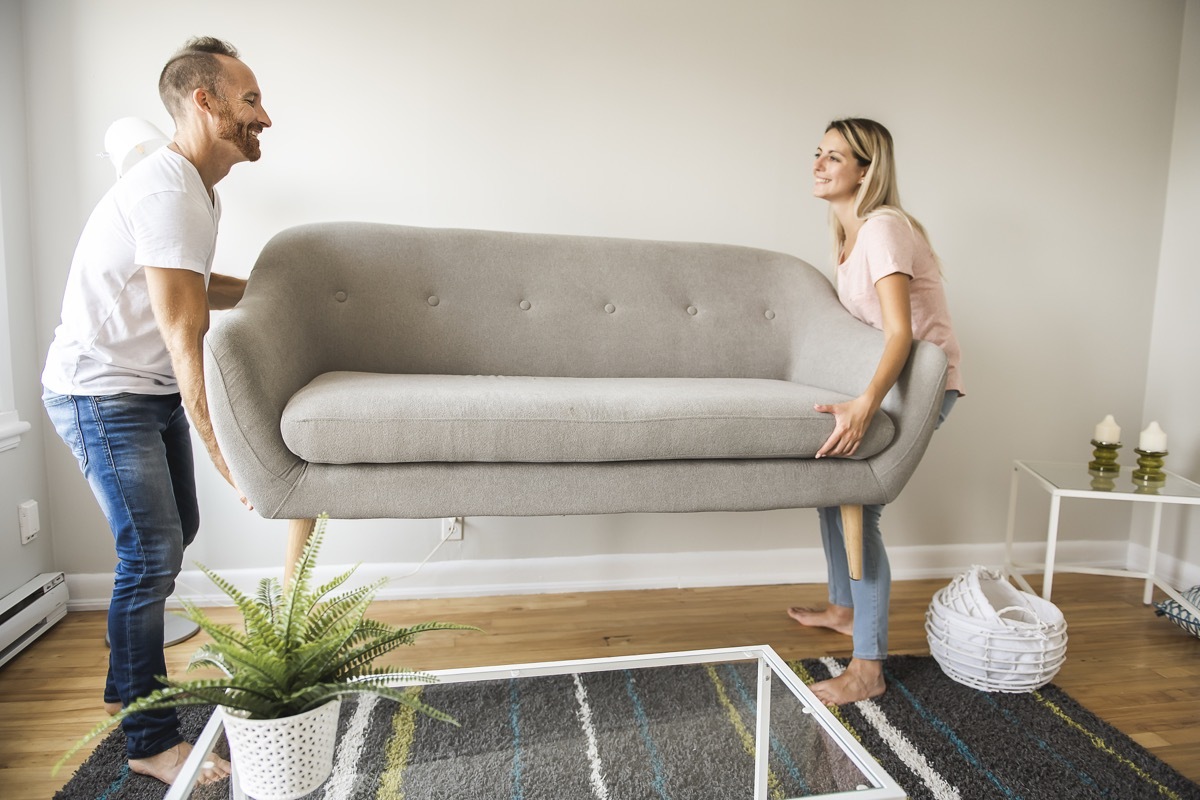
point(176, 629)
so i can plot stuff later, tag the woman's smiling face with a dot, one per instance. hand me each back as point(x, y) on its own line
point(836, 173)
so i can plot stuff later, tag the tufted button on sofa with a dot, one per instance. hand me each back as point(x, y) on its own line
point(381, 371)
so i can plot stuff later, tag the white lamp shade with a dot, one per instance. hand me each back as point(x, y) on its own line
point(129, 140)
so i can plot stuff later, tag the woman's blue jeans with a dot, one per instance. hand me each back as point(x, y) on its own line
point(136, 452)
point(870, 596)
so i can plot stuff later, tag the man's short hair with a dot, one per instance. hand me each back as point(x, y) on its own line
point(194, 66)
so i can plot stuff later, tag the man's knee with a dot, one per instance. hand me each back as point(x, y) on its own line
point(157, 560)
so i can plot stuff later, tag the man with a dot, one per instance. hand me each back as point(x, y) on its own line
point(126, 363)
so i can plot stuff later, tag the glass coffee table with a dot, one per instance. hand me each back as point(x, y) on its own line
point(735, 721)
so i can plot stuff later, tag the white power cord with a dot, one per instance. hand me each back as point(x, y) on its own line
point(441, 541)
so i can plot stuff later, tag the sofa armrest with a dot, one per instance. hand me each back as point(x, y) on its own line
point(914, 405)
point(833, 350)
point(259, 355)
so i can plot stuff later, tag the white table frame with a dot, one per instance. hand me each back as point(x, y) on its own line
point(1017, 571)
point(769, 663)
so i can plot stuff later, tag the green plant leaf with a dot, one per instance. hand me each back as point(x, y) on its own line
point(350, 663)
point(269, 595)
point(256, 617)
point(297, 599)
point(350, 606)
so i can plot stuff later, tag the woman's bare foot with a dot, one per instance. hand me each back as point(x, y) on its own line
point(836, 618)
point(862, 680)
point(166, 765)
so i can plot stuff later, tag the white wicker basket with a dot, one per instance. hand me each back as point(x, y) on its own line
point(986, 634)
point(282, 759)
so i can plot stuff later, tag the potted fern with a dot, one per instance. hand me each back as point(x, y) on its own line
point(299, 652)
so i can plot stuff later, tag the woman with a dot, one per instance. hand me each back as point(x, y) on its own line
point(888, 277)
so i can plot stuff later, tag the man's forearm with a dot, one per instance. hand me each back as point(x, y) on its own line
point(180, 305)
point(189, 373)
point(187, 359)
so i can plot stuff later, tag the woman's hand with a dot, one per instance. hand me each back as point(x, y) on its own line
point(850, 421)
point(852, 417)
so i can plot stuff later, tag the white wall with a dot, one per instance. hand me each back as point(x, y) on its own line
point(22, 469)
point(1173, 381)
point(1035, 148)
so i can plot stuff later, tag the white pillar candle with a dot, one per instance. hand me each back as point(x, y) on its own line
point(1108, 431)
point(1153, 440)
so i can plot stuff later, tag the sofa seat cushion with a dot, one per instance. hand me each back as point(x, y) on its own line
point(357, 417)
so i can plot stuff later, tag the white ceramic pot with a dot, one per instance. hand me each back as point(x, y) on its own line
point(282, 759)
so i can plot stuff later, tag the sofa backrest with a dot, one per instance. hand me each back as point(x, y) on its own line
point(390, 298)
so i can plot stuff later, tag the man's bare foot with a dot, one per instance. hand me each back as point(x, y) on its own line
point(836, 618)
point(862, 680)
point(166, 765)
point(112, 709)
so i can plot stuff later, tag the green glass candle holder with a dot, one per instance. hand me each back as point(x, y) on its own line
point(1102, 481)
point(1104, 458)
point(1149, 471)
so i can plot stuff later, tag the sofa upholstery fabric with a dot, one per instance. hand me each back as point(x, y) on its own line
point(328, 304)
point(356, 417)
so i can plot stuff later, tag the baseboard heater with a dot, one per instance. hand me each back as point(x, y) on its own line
point(29, 612)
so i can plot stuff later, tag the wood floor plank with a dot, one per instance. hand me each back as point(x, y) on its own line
point(1135, 670)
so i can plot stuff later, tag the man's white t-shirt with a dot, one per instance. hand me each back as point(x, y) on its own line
point(157, 215)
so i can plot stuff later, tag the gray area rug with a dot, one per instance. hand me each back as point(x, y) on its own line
point(683, 733)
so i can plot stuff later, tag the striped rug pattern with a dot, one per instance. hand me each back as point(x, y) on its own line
point(687, 733)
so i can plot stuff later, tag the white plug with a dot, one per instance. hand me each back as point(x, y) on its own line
point(452, 528)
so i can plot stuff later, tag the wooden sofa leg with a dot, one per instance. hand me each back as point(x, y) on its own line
point(298, 532)
point(852, 532)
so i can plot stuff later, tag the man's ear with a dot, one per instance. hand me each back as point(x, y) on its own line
point(203, 100)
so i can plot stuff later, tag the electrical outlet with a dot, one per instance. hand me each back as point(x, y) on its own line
point(452, 528)
point(27, 514)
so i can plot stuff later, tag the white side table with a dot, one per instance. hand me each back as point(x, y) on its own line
point(1073, 480)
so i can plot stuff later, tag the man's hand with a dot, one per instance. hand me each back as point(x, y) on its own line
point(241, 495)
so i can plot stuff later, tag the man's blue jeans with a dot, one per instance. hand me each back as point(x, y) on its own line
point(136, 452)
point(870, 596)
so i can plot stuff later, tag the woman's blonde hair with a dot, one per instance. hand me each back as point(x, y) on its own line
point(871, 146)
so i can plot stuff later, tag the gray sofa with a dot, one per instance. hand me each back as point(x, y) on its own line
point(379, 371)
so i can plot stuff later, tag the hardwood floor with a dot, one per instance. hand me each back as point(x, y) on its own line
point(1135, 670)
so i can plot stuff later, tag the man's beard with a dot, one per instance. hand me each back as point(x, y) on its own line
point(229, 129)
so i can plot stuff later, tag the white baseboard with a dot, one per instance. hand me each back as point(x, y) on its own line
point(1180, 574)
point(626, 572)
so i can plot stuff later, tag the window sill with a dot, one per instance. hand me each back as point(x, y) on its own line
point(11, 429)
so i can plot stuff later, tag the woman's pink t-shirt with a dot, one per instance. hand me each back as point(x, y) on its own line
point(886, 245)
